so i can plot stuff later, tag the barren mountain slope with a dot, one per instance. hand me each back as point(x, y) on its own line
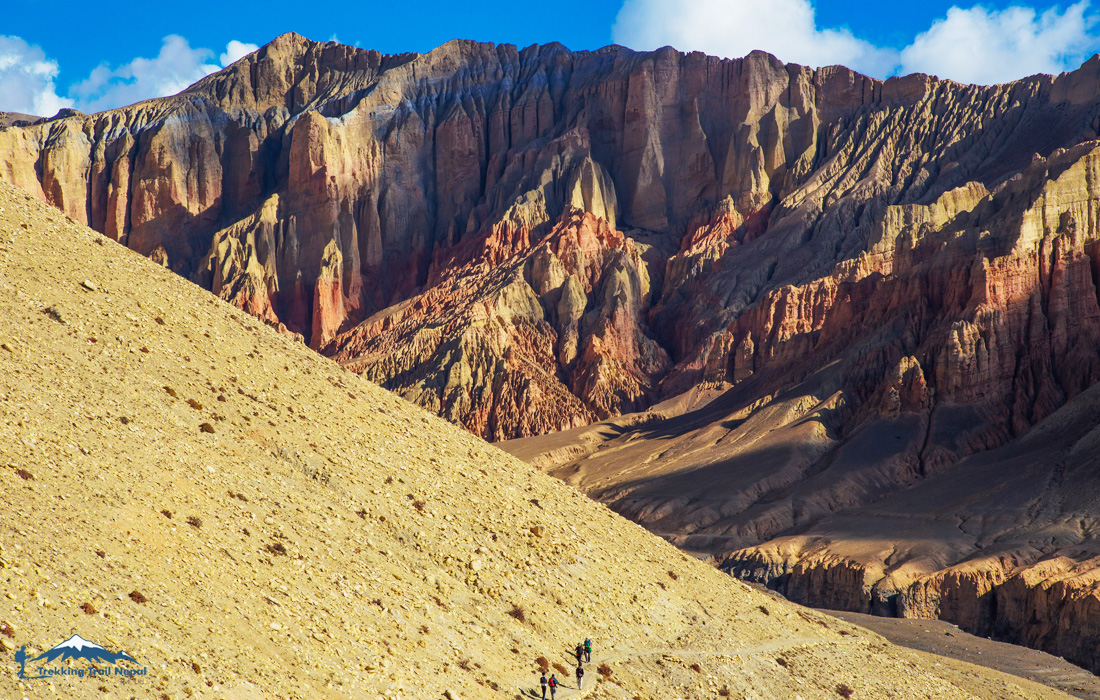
point(322, 538)
point(1003, 542)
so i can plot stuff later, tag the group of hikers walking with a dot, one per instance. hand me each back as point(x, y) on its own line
point(583, 652)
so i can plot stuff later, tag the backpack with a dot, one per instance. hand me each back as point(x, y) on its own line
point(553, 682)
point(542, 681)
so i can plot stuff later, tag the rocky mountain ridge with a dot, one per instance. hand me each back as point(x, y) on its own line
point(880, 281)
point(348, 197)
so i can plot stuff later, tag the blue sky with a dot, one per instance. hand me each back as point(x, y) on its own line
point(64, 53)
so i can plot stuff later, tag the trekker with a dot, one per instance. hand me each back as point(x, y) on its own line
point(553, 683)
point(542, 682)
point(580, 677)
point(587, 649)
point(579, 651)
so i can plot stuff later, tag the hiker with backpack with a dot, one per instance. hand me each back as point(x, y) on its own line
point(580, 676)
point(587, 650)
point(579, 651)
point(553, 684)
point(542, 682)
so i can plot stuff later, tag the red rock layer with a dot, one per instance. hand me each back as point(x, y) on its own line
point(741, 177)
point(889, 278)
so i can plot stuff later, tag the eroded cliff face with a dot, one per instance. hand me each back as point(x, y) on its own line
point(813, 291)
point(318, 185)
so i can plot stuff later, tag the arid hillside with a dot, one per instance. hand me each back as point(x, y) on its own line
point(808, 305)
point(248, 520)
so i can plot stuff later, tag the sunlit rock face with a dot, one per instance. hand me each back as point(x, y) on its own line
point(887, 285)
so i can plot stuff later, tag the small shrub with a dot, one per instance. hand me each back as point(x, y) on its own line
point(194, 521)
point(171, 392)
point(604, 670)
point(763, 609)
point(88, 609)
point(724, 692)
point(277, 549)
point(101, 554)
point(543, 664)
point(697, 668)
point(673, 575)
point(195, 667)
point(6, 630)
point(137, 597)
point(518, 612)
point(464, 664)
point(782, 662)
point(561, 669)
point(24, 475)
point(419, 504)
point(166, 513)
point(206, 428)
point(844, 691)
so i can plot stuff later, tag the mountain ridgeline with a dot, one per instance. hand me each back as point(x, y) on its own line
point(882, 281)
point(525, 241)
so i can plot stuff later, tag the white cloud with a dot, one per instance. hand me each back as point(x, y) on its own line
point(175, 68)
point(27, 79)
point(980, 45)
point(235, 51)
point(786, 28)
point(971, 45)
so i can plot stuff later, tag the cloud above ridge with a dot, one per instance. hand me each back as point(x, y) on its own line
point(972, 45)
point(27, 79)
point(786, 28)
point(27, 76)
point(979, 45)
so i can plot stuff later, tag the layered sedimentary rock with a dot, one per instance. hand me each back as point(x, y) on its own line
point(318, 185)
point(814, 291)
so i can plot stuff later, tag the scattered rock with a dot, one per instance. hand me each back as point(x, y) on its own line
point(89, 285)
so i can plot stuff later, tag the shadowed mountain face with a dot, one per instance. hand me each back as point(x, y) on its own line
point(525, 241)
point(883, 281)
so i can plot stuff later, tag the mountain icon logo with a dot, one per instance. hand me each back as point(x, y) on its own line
point(75, 647)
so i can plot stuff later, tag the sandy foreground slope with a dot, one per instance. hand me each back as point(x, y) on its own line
point(326, 539)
